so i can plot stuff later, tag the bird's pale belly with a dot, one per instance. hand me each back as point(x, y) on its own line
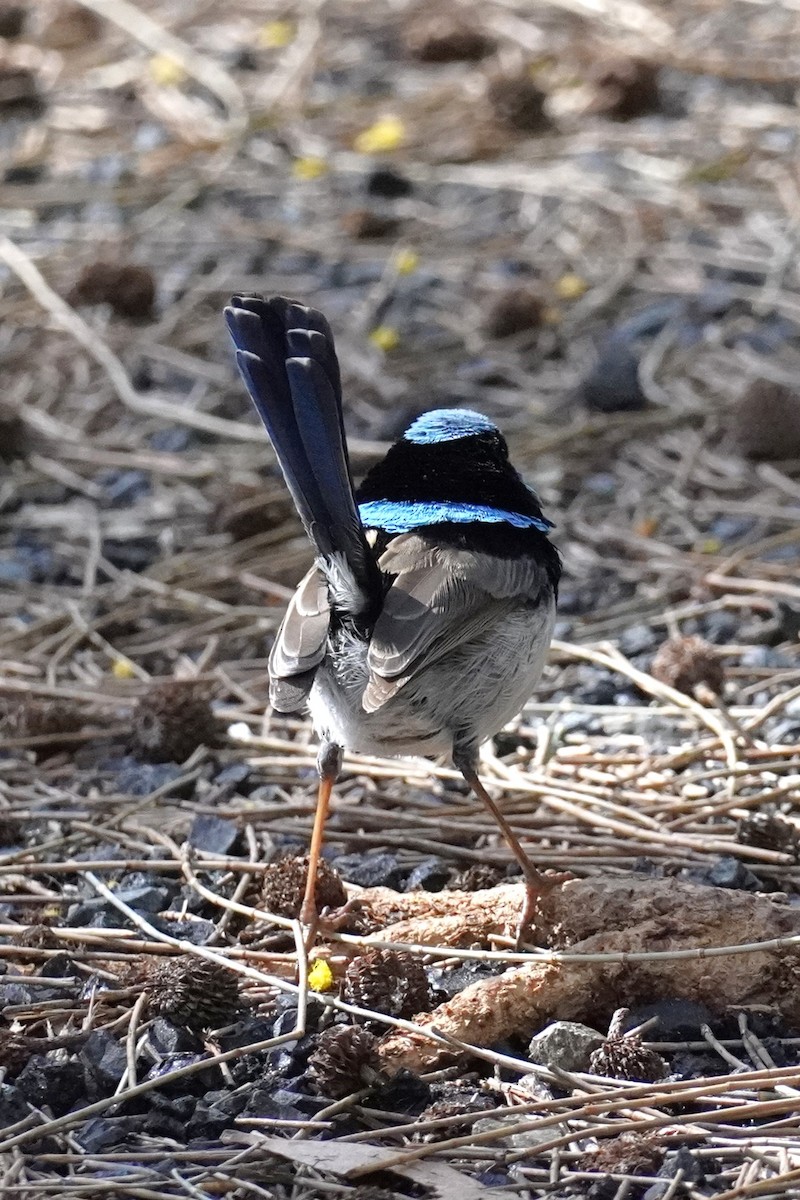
point(468, 695)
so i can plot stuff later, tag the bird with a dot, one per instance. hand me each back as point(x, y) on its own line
point(423, 626)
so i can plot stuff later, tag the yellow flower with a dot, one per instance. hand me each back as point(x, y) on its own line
point(166, 71)
point(320, 977)
point(386, 134)
point(710, 545)
point(571, 287)
point(122, 668)
point(309, 167)
point(406, 261)
point(276, 34)
point(385, 338)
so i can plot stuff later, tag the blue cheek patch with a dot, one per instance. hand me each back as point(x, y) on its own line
point(401, 516)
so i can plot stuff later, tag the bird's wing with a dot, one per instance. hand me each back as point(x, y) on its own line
point(440, 599)
point(300, 645)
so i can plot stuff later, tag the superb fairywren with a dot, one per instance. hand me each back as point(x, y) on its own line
point(424, 623)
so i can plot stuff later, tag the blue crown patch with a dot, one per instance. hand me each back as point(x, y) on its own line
point(447, 424)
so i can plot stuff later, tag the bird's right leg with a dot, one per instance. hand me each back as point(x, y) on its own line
point(329, 764)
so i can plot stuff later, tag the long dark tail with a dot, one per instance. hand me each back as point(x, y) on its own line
point(287, 359)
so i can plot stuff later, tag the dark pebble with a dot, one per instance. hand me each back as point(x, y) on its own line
point(404, 1093)
point(54, 1080)
point(144, 778)
point(390, 184)
point(101, 1133)
point(172, 440)
point(639, 639)
point(213, 834)
point(233, 775)
point(371, 870)
point(13, 1105)
point(123, 488)
point(104, 1061)
point(57, 967)
point(198, 932)
point(682, 1159)
point(134, 554)
point(431, 875)
point(727, 872)
point(612, 384)
point(454, 981)
point(167, 1040)
point(678, 1020)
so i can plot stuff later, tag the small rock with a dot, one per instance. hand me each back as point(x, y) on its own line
point(213, 834)
point(54, 1080)
point(678, 1020)
point(430, 875)
point(682, 1159)
point(388, 183)
point(565, 1044)
point(13, 1105)
point(728, 872)
point(612, 384)
point(144, 778)
point(364, 224)
point(101, 1133)
point(371, 870)
point(104, 1060)
point(520, 1141)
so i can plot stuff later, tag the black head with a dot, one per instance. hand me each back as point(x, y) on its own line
point(453, 455)
point(449, 476)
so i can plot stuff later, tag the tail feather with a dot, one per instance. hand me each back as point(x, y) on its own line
point(286, 356)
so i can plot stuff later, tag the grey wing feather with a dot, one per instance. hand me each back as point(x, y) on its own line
point(440, 599)
point(300, 644)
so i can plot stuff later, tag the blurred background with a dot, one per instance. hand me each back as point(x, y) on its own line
point(579, 216)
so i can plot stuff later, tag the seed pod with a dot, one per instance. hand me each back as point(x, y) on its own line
point(685, 663)
point(285, 883)
point(343, 1057)
point(171, 720)
point(387, 981)
point(627, 1058)
point(192, 991)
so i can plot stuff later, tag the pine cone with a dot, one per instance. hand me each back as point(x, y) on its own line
point(766, 421)
point(625, 88)
point(513, 310)
point(338, 1064)
point(518, 104)
point(387, 981)
point(284, 886)
point(171, 720)
point(767, 830)
point(684, 663)
point(130, 290)
point(192, 991)
point(627, 1058)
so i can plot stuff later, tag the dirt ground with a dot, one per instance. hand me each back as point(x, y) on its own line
point(580, 218)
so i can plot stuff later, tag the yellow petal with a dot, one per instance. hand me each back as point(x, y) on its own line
point(571, 287)
point(385, 338)
point(166, 71)
point(406, 261)
point(276, 34)
point(122, 668)
point(386, 134)
point(309, 167)
point(320, 977)
point(710, 545)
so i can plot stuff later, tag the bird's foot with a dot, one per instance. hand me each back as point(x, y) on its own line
point(537, 886)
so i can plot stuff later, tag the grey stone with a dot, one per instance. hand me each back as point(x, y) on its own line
point(565, 1044)
point(519, 1141)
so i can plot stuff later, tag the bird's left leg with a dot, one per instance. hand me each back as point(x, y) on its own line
point(536, 884)
point(329, 764)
